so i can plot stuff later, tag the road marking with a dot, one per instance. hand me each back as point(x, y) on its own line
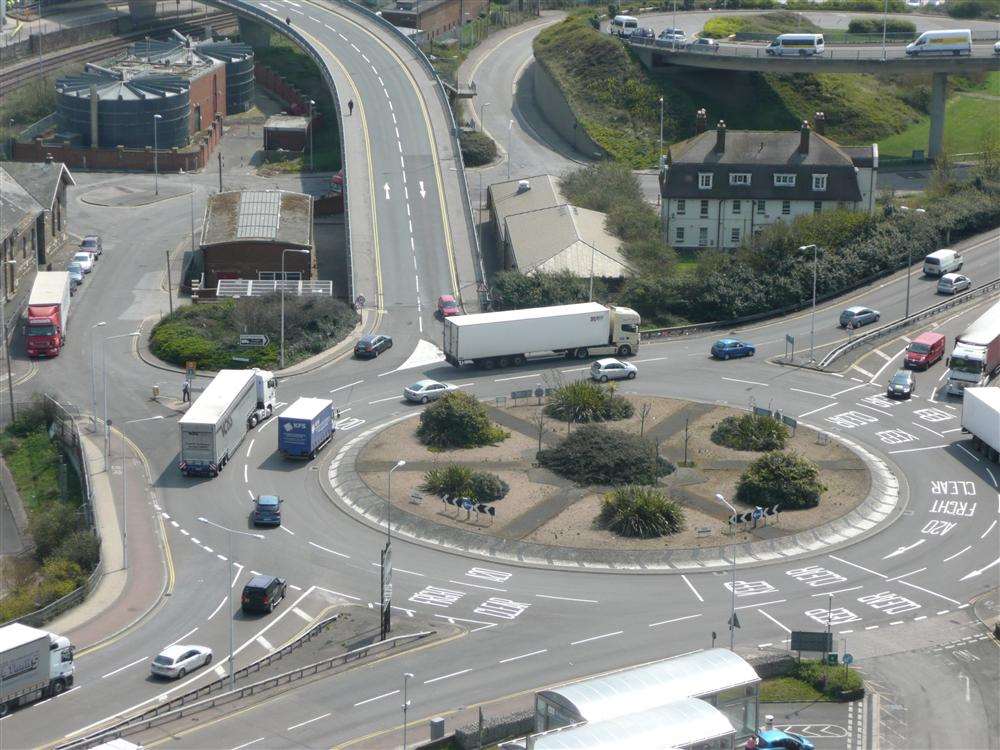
point(376, 698)
point(575, 369)
point(952, 557)
point(923, 427)
point(175, 524)
point(220, 670)
point(216, 610)
point(852, 388)
point(762, 604)
point(811, 393)
point(769, 617)
point(338, 593)
point(596, 638)
point(174, 643)
point(476, 585)
point(248, 744)
point(302, 614)
point(251, 495)
point(245, 479)
point(208, 549)
point(928, 591)
point(871, 627)
point(446, 676)
point(401, 570)
point(691, 586)
point(675, 619)
point(266, 643)
point(332, 552)
point(855, 565)
point(973, 455)
point(912, 572)
point(195, 540)
point(750, 382)
point(862, 370)
point(349, 385)
point(838, 591)
point(122, 669)
point(814, 411)
point(651, 359)
point(389, 398)
point(185, 532)
point(517, 377)
point(266, 423)
point(250, 447)
point(523, 656)
point(983, 535)
point(562, 598)
point(287, 530)
point(309, 721)
point(294, 587)
point(917, 450)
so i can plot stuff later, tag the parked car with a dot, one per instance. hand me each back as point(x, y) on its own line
point(262, 593)
point(901, 385)
point(92, 244)
point(176, 661)
point(86, 261)
point(924, 350)
point(857, 316)
point(612, 369)
point(952, 283)
point(426, 390)
point(447, 306)
point(371, 345)
point(729, 348)
point(644, 33)
point(75, 273)
point(671, 38)
point(776, 738)
point(267, 511)
point(703, 44)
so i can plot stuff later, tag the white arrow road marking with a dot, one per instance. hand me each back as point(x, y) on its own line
point(385, 187)
point(423, 193)
point(901, 550)
point(975, 573)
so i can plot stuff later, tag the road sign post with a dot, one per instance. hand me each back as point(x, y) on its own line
point(257, 340)
point(386, 593)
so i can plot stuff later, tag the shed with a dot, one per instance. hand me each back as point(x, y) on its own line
point(286, 132)
point(518, 196)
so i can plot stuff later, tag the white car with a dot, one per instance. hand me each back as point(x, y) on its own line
point(85, 259)
point(612, 369)
point(426, 390)
point(177, 661)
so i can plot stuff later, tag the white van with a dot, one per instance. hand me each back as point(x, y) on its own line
point(951, 42)
point(797, 44)
point(941, 262)
point(623, 25)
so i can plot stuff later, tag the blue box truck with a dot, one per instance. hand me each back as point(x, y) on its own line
point(305, 427)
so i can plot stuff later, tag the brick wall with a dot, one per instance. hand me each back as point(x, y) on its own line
point(244, 260)
point(296, 102)
point(436, 20)
point(208, 98)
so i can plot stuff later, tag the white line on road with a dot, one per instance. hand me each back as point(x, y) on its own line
point(924, 427)
point(122, 669)
point(762, 604)
point(928, 591)
point(248, 744)
point(675, 619)
point(952, 557)
point(266, 643)
point(216, 610)
point(401, 570)
point(302, 614)
point(476, 585)
point(397, 397)
point(973, 455)
point(251, 495)
point(250, 448)
point(349, 385)
point(769, 617)
point(750, 382)
point(238, 574)
point(852, 388)
point(308, 721)
point(912, 572)
point(287, 530)
point(246, 480)
point(174, 643)
point(523, 656)
point(917, 450)
point(566, 598)
point(691, 586)
point(339, 593)
point(446, 676)
point(376, 698)
point(855, 565)
point(332, 552)
point(517, 377)
point(814, 411)
point(266, 423)
point(862, 370)
point(838, 591)
point(983, 535)
point(811, 393)
point(651, 359)
point(596, 638)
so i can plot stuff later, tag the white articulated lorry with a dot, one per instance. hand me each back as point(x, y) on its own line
point(981, 419)
point(216, 423)
point(975, 357)
point(500, 339)
point(34, 664)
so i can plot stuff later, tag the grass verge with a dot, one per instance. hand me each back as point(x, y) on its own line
point(788, 690)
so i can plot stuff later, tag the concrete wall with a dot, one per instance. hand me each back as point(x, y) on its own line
point(555, 109)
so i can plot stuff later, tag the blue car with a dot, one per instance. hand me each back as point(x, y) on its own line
point(728, 348)
point(787, 740)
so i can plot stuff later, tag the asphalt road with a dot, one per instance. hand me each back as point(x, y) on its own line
point(528, 627)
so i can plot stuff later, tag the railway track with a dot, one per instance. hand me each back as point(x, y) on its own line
point(28, 69)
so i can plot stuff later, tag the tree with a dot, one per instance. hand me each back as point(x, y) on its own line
point(751, 432)
point(458, 420)
point(784, 479)
point(640, 512)
point(598, 455)
point(587, 401)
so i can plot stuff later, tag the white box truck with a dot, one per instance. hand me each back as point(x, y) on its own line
point(981, 419)
point(216, 423)
point(34, 664)
point(499, 339)
point(975, 357)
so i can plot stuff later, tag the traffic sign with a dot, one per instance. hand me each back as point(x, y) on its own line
point(734, 621)
point(758, 513)
point(253, 339)
point(848, 659)
point(812, 640)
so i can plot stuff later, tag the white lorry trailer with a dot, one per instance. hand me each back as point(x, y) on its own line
point(981, 419)
point(500, 339)
point(976, 355)
point(216, 423)
point(34, 664)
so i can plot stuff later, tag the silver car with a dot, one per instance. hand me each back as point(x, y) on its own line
point(604, 370)
point(953, 283)
point(176, 661)
point(857, 316)
point(426, 390)
point(702, 44)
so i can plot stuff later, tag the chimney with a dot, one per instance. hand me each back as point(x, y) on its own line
point(720, 137)
point(700, 121)
point(804, 138)
point(819, 123)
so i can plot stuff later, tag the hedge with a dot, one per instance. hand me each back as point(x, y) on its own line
point(461, 481)
point(458, 420)
point(751, 432)
point(587, 401)
point(874, 26)
point(477, 148)
point(598, 455)
point(784, 479)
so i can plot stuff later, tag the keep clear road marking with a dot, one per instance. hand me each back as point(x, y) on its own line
point(376, 698)
point(691, 586)
point(523, 656)
point(308, 721)
point(596, 638)
point(749, 382)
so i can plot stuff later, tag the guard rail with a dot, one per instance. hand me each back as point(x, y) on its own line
point(896, 325)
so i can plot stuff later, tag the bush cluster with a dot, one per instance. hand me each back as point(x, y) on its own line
point(785, 479)
point(973, 9)
point(872, 6)
point(597, 455)
point(779, 22)
point(587, 401)
point(640, 512)
point(874, 26)
point(458, 420)
point(831, 681)
point(751, 432)
point(461, 481)
point(477, 148)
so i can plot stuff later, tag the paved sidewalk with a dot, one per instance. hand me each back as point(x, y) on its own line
point(124, 595)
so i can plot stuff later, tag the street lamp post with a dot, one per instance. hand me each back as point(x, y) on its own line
point(104, 375)
point(885, 13)
point(125, 488)
point(93, 379)
point(286, 250)
point(909, 260)
point(510, 130)
point(406, 704)
point(229, 587)
point(388, 502)
point(812, 319)
point(311, 105)
point(732, 584)
point(156, 156)
point(660, 153)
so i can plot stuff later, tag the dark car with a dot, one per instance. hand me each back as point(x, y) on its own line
point(779, 739)
point(857, 316)
point(729, 348)
point(267, 511)
point(262, 593)
point(901, 385)
point(92, 244)
point(371, 345)
point(643, 33)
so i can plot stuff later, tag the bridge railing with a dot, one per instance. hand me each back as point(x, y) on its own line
point(759, 51)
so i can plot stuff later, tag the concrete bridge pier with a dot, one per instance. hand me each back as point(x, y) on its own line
point(939, 97)
point(253, 33)
point(142, 10)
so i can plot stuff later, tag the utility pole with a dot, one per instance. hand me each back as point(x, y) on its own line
point(170, 285)
point(220, 171)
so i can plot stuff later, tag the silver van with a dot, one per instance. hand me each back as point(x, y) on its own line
point(941, 262)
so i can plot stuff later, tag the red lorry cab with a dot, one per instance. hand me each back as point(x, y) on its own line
point(925, 350)
point(47, 314)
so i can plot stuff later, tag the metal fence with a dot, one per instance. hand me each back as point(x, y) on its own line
point(846, 52)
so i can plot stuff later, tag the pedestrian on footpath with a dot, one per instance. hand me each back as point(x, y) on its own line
point(186, 393)
point(350, 107)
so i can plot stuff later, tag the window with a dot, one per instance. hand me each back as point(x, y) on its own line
point(760, 207)
point(704, 180)
point(679, 235)
point(704, 209)
point(681, 206)
point(817, 207)
point(737, 207)
point(734, 236)
point(276, 275)
point(703, 236)
point(739, 178)
point(819, 182)
point(786, 208)
point(784, 180)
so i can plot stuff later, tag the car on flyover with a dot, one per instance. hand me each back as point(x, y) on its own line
point(427, 390)
point(901, 385)
point(604, 370)
point(732, 348)
point(176, 661)
point(267, 511)
point(857, 316)
point(953, 283)
point(671, 38)
point(371, 345)
point(702, 44)
point(777, 738)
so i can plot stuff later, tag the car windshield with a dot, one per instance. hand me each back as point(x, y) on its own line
point(84, 257)
point(449, 303)
point(268, 502)
point(88, 243)
point(900, 378)
point(166, 660)
point(919, 348)
point(43, 329)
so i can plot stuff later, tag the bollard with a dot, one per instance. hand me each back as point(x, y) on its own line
point(436, 728)
point(156, 392)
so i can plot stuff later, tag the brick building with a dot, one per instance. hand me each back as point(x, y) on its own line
point(435, 18)
point(246, 232)
point(286, 133)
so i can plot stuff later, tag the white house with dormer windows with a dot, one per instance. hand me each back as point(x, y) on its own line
point(719, 188)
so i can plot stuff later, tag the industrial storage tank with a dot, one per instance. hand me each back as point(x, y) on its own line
point(239, 61)
point(125, 108)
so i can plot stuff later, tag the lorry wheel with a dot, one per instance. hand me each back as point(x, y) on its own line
point(518, 360)
point(58, 687)
point(253, 421)
point(582, 353)
point(624, 350)
point(504, 362)
point(489, 364)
